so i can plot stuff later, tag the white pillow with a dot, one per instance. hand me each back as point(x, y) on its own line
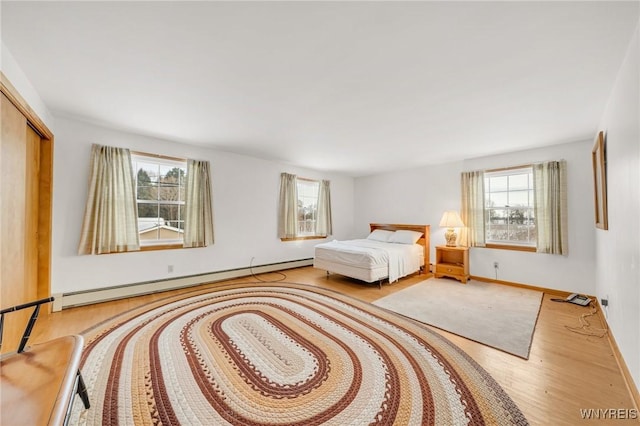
point(405, 237)
point(380, 235)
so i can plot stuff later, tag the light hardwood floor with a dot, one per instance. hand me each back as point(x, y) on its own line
point(565, 373)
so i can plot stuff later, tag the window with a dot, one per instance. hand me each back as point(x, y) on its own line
point(143, 201)
point(509, 207)
point(308, 191)
point(160, 195)
point(521, 208)
point(304, 209)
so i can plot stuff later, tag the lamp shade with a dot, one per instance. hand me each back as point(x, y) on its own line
point(451, 219)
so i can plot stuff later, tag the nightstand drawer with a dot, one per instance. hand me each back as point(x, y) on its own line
point(446, 268)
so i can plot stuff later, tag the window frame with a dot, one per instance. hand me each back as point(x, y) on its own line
point(529, 246)
point(160, 160)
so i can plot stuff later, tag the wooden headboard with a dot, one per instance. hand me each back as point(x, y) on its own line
point(423, 241)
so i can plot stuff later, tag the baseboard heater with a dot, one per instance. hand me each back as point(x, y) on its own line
point(105, 294)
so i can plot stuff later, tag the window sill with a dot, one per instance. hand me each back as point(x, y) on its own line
point(310, 237)
point(162, 247)
point(511, 247)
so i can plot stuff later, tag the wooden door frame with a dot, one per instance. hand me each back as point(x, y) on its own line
point(45, 184)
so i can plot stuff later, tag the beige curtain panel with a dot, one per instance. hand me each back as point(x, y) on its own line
point(472, 212)
point(288, 206)
point(324, 224)
point(550, 200)
point(111, 215)
point(198, 218)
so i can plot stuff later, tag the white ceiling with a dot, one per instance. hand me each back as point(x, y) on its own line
point(352, 87)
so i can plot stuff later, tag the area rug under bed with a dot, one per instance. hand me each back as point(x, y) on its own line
point(281, 354)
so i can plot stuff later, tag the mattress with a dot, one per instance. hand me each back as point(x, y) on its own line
point(369, 260)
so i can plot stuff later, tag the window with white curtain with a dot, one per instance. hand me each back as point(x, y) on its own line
point(145, 201)
point(304, 208)
point(522, 208)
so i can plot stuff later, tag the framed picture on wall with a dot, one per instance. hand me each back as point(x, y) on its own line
point(599, 161)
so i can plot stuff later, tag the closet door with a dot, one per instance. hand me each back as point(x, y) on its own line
point(19, 201)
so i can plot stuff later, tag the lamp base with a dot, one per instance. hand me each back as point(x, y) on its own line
point(451, 237)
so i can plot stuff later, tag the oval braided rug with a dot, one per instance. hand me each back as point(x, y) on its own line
point(283, 354)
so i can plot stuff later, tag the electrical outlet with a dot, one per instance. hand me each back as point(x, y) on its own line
point(604, 302)
point(495, 265)
point(169, 268)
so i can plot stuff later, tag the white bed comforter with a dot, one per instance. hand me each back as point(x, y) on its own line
point(399, 258)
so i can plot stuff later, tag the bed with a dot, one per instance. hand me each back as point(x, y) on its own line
point(390, 251)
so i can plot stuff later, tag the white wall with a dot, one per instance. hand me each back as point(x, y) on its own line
point(245, 197)
point(422, 195)
point(415, 196)
point(21, 83)
point(618, 249)
point(573, 272)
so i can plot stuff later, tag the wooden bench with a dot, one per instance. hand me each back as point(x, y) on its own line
point(38, 383)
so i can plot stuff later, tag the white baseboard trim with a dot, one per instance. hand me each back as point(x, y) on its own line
point(87, 297)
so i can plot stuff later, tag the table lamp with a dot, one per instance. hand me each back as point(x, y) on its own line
point(451, 219)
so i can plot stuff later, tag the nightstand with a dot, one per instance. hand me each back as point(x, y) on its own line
point(452, 262)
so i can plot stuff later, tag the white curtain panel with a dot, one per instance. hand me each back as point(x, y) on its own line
point(288, 206)
point(472, 212)
point(198, 218)
point(324, 224)
point(550, 195)
point(111, 214)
